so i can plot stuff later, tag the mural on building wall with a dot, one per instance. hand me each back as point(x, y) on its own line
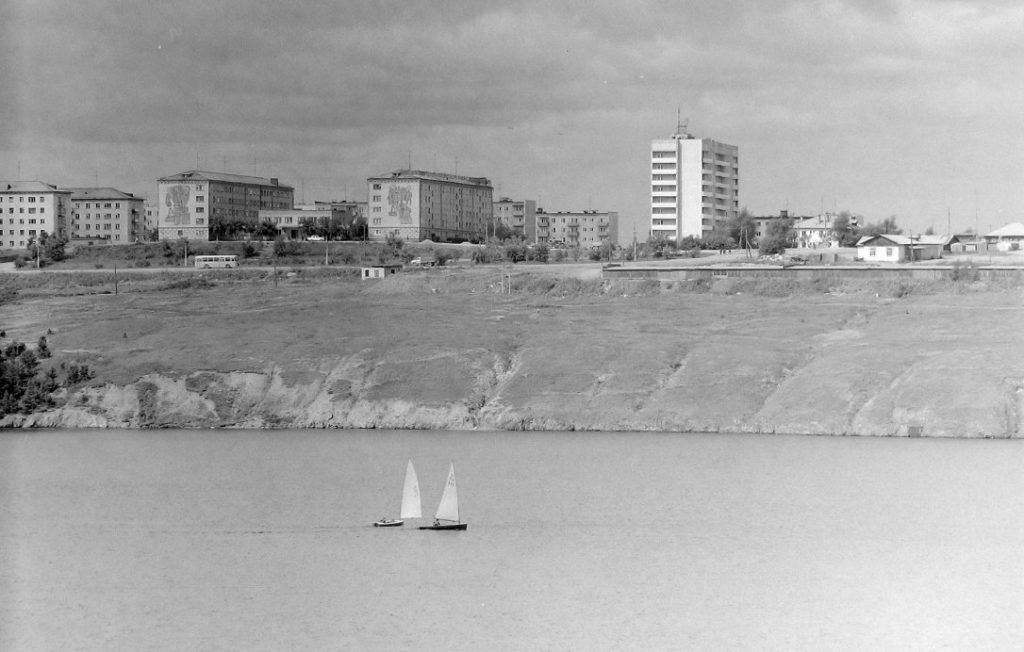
point(177, 200)
point(400, 203)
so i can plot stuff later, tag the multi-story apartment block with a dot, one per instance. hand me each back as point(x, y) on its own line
point(418, 205)
point(30, 208)
point(107, 215)
point(152, 216)
point(583, 229)
point(195, 204)
point(694, 185)
point(519, 216)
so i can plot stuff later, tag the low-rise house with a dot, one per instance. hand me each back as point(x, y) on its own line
point(818, 232)
point(1006, 238)
point(891, 248)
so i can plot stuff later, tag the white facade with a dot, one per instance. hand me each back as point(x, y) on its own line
point(30, 208)
point(694, 185)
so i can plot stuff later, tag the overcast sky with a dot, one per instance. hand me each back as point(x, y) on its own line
point(908, 108)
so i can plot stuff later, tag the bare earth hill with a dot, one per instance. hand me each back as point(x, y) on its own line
point(456, 350)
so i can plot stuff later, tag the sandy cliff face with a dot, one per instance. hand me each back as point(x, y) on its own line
point(783, 394)
point(367, 357)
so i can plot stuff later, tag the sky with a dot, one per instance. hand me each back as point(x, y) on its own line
point(905, 108)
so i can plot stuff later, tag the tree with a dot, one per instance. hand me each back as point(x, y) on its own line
point(886, 226)
point(54, 249)
point(265, 230)
point(743, 229)
point(777, 238)
point(845, 233)
point(689, 245)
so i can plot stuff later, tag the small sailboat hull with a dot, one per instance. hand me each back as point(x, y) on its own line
point(388, 522)
point(447, 526)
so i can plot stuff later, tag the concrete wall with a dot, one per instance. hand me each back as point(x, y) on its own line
point(803, 272)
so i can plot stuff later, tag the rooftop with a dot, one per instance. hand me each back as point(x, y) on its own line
point(434, 176)
point(27, 186)
point(1011, 230)
point(99, 193)
point(200, 175)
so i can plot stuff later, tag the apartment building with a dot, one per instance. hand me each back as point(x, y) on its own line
point(572, 229)
point(694, 185)
point(30, 208)
point(418, 205)
point(519, 216)
point(106, 215)
point(196, 205)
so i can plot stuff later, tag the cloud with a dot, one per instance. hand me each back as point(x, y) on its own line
point(558, 100)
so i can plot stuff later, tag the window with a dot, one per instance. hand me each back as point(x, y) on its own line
point(663, 154)
point(31, 200)
point(199, 209)
point(200, 197)
point(32, 210)
point(888, 251)
point(376, 186)
point(871, 251)
point(42, 209)
point(664, 166)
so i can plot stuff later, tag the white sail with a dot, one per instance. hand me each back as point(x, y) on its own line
point(411, 494)
point(448, 510)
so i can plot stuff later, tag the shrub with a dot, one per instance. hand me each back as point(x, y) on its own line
point(962, 272)
point(284, 247)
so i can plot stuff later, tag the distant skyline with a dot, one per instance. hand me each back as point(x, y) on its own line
point(908, 108)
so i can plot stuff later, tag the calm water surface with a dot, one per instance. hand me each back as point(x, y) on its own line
point(241, 540)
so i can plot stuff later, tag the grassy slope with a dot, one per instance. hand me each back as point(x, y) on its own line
point(553, 356)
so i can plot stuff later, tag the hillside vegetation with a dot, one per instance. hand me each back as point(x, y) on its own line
point(505, 348)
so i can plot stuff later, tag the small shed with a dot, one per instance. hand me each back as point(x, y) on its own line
point(379, 271)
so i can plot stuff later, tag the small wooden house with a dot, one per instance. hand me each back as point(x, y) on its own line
point(889, 248)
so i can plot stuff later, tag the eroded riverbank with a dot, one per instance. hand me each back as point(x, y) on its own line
point(449, 350)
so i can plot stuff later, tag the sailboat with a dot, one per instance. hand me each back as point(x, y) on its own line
point(410, 500)
point(447, 516)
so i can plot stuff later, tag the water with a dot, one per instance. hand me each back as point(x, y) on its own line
point(227, 540)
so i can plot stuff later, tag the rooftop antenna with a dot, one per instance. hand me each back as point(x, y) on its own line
point(197, 160)
point(456, 165)
point(409, 152)
point(682, 126)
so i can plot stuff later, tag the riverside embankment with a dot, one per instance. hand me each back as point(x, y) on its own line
point(457, 350)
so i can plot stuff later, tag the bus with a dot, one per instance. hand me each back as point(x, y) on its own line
point(226, 260)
